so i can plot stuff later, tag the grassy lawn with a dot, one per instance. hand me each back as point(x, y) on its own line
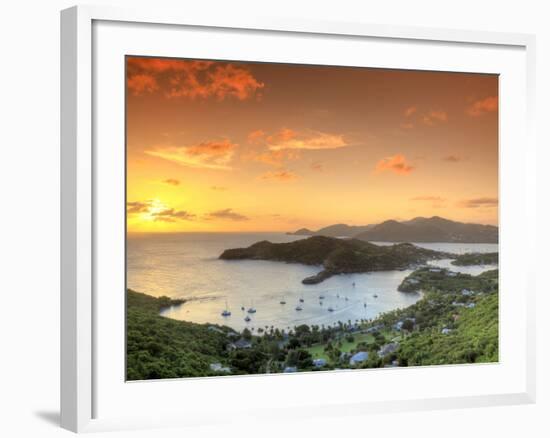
point(358, 338)
point(317, 351)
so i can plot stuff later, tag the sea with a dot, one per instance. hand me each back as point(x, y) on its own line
point(187, 265)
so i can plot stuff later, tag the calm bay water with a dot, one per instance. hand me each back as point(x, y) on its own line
point(186, 265)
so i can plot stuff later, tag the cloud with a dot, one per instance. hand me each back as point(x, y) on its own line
point(312, 140)
point(452, 158)
point(137, 207)
point(287, 144)
point(228, 214)
point(162, 65)
point(396, 164)
point(171, 181)
point(214, 154)
point(479, 202)
point(256, 136)
point(171, 215)
point(407, 125)
point(142, 83)
point(433, 117)
point(410, 111)
point(272, 158)
point(280, 175)
point(285, 134)
point(483, 106)
point(157, 211)
point(191, 79)
point(218, 188)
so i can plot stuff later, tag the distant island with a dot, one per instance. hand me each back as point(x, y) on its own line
point(337, 256)
point(336, 230)
point(419, 229)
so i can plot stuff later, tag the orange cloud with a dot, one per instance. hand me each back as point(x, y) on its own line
point(407, 125)
point(142, 83)
point(191, 79)
point(279, 175)
point(479, 202)
point(161, 65)
point(287, 144)
point(228, 214)
point(410, 111)
point(207, 155)
point(483, 106)
point(218, 188)
point(396, 164)
point(272, 158)
point(313, 140)
point(285, 134)
point(256, 136)
point(171, 181)
point(434, 116)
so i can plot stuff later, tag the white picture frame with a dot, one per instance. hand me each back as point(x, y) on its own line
point(84, 374)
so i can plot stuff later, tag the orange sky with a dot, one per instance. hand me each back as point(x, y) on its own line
point(223, 146)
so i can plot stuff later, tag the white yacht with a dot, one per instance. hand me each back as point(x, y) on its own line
point(251, 309)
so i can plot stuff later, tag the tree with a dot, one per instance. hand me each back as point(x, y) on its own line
point(293, 343)
point(248, 361)
point(408, 325)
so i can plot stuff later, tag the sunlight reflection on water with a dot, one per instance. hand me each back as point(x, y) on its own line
point(186, 265)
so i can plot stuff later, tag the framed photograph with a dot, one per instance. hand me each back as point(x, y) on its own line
point(340, 212)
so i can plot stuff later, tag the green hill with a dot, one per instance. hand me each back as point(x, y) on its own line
point(158, 347)
point(472, 338)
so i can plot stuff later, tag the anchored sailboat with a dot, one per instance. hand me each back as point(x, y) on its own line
point(226, 311)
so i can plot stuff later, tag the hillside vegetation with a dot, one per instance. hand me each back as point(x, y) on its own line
point(473, 337)
point(476, 258)
point(158, 347)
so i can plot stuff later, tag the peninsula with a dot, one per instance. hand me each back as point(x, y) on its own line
point(337, 256)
